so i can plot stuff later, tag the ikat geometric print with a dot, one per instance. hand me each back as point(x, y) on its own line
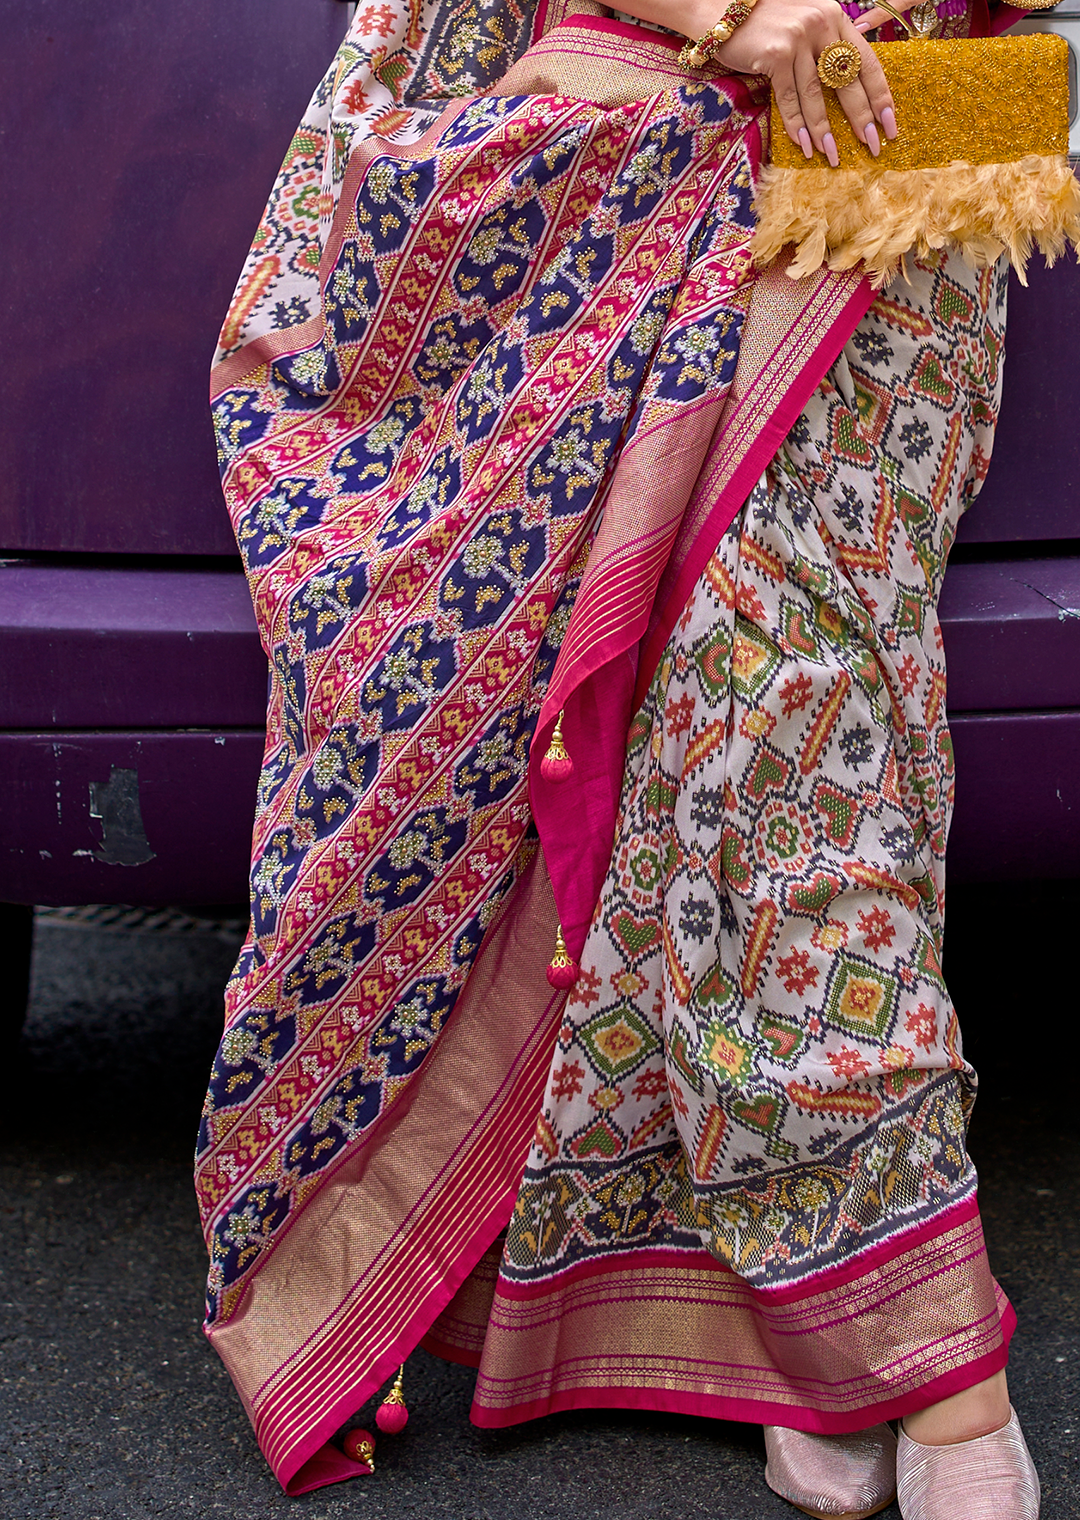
point(415, 479)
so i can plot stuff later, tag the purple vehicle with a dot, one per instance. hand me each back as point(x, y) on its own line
point(132, 683)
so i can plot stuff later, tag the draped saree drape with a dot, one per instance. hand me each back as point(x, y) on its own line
point(493, 400)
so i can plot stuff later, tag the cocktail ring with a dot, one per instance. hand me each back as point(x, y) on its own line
point(839, 65)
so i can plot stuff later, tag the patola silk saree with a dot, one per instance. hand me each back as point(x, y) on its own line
point(511, 428)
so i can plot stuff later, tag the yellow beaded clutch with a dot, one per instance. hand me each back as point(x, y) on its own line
point(979, 163)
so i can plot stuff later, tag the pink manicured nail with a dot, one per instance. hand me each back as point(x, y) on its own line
point(888, 121)
point(862, 26)
point(873, 142)
point(828, 142)
point(805, 144)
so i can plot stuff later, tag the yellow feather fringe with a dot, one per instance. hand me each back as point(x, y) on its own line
point(840, 217)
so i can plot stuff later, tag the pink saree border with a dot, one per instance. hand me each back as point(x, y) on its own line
point(328, 1355)
point(447, 1353)
point(314, 1462)
point(623, 29)
point(759, 1411)
point(672, 1328)
point(405, 1280)
point(761, 1301)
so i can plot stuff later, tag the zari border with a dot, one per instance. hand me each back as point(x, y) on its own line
point(606, 62)
point(678, 1331)
point(376, 1255)
point(459, 1332)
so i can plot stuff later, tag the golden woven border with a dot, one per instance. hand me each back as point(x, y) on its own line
point(666, 1326)
point(602, 63)
point(322, 1316)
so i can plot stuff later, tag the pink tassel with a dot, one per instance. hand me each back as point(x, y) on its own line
point(360, 1446)
point(392, 1416)
point(563, 971)
point(557, 764)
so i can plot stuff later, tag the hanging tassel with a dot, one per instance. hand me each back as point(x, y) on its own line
point(392, 1415)
point(563, 971)
point(360, 1446)
point(557, 764)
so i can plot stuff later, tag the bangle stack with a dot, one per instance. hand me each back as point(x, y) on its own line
point(697, 55)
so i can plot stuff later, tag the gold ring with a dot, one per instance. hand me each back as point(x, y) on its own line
point(839, 65)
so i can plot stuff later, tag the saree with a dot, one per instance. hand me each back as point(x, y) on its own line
point(513, 432)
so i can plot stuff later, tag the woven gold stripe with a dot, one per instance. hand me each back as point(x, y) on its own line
point(986, 100)
point(703, 1333)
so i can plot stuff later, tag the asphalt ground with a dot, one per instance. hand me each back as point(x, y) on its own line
point(113, 1407)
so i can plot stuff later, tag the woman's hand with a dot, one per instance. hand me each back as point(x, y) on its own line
point(783, 39)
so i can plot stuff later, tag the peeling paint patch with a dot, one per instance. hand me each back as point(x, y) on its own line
point(115, 805)
point(1063, 612)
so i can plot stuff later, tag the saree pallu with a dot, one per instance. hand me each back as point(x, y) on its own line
point(496, 381)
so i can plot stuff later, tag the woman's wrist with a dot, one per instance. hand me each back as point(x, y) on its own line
point(703, 49)
point(690, 18)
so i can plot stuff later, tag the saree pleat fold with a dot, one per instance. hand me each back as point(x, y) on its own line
point(749, 1193)
point(498, 379)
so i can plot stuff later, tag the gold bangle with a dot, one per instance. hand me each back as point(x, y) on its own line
point(696, 55)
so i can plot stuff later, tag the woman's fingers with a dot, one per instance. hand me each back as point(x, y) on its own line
point(789, 105)
point(784, 40)
point(812, 102)
point(868, 99)
point(865, 102)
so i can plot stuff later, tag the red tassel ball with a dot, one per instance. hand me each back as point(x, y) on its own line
point(360, 1446)
point(392, 1415)
point(391, 1418)
point(563, 971)
point(557, 764)
point(564, 974)
point(556, 767)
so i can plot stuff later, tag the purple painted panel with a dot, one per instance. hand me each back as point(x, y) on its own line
point(173, 825)
point(88, 648)
point(142, 141)
point(1012, 634)
point(1017, 797)
point(1033, 488)
point(174, 810)
point(108, 648)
